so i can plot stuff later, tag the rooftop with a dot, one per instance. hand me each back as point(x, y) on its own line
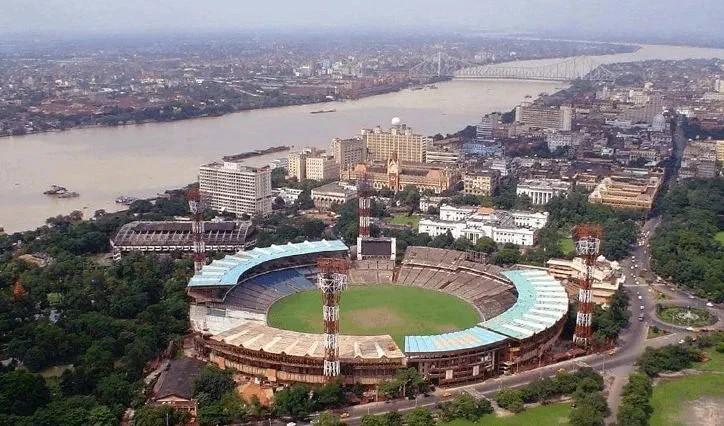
point(542, 301)
point(257, 336)
point(226, 272)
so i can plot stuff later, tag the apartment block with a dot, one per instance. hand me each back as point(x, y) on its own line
point(236, 188)
point(544, 117)
point(398, 142)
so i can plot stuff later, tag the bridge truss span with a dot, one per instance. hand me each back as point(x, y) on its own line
point(584, 68)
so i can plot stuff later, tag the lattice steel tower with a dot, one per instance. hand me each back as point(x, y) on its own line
point(363, 193)
point(197, 227)
point(588, 243)
point(332, 279)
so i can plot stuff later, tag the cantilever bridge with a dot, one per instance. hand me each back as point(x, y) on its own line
point(442, 65)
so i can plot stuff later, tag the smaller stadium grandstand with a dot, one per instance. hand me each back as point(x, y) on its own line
point(176, 236)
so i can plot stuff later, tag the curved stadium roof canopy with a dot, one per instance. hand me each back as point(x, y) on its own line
point(542, 302)
point(226, 272)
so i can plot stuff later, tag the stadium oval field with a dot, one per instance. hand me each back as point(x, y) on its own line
point(377, 309)
point(432, 299)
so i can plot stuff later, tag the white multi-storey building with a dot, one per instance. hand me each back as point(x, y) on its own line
point(517, 227)
point(235, 188)
point(399, 142)
point(544, 117)
point(541, 191)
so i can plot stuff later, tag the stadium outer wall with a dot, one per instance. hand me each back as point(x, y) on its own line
point(443, 368)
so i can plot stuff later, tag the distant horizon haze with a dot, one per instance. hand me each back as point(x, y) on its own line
point(614, 20)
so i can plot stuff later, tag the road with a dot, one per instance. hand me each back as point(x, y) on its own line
point(632, 341)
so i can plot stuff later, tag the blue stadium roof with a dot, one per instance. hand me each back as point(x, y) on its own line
point(473, 337)
point(542, 301)
point(226, 272)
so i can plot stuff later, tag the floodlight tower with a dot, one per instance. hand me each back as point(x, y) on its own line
point(332, 279)
point(363, 193)
point(588, 244)
point(197, 227)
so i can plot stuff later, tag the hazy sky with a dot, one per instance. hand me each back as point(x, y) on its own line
point(653, 17)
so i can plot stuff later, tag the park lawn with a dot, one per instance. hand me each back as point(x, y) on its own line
point(719, 236)
point(377, 309)
point(552, 414)
point(672, 396)
point(404, 219)
point(566, 245)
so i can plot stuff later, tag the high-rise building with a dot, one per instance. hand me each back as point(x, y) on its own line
point(545, 117)
point(399, 142)
point(321, 167)
point(297, 165)
point(719, 85)
point(235, 188)
point(485, 130)
point(349, 152)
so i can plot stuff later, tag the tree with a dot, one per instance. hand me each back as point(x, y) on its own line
point(313, 228)
point(294, 401)
point(279, 204)
point(510, 399)
point(114, 389)
point(327, 418)
point(331, 395)
point(591, 410)
point(150, 415)
point(278, 175)
point(464, 406)
point(21, 393)
point(668, 358)
point(445, 240)
point(213, 382)
point(508, 255)
point(101, 416)
point(304, 201)
point(485, 245)
point(462, 244)
point(372, 420)
point(419, 417)
point(635, 408)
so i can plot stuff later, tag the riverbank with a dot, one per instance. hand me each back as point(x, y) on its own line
point(142, 160)
point(162, 114)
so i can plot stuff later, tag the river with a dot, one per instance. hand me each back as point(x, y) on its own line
point(142, 160)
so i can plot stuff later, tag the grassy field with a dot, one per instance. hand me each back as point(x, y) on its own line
point(719, 236)
point(404, 219)
point(566, 245)
point(694, 399)
point(553, 414)
point(377, 309)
